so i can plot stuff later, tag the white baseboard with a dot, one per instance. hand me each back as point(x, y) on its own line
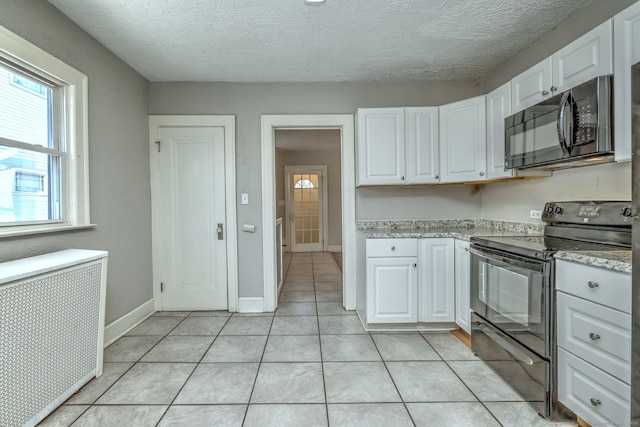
point(118, 328)
point(250, 305)
point(335, 248)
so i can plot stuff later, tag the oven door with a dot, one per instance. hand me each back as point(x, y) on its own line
point(514, 294)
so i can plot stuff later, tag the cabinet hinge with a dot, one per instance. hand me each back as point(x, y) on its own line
point(158, 144)
point(161, 286)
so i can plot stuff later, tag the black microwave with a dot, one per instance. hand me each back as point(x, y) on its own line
point(573, 128)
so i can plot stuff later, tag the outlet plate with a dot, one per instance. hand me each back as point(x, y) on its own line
point(536, 213)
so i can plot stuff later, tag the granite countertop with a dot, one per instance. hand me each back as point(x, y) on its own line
point(458, 229)
point(610, 260)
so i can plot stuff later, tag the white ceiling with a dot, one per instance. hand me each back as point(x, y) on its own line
point(342, 40)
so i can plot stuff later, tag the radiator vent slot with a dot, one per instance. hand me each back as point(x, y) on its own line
point(51, 331)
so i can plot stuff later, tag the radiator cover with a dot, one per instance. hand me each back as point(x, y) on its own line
point(51, 334)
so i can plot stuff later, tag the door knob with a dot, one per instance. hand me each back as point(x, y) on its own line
point(545, 92)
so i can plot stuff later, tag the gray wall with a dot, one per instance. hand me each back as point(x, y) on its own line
point(118, 156)
point(514, 200)
point(330, 158)
point(248, 101)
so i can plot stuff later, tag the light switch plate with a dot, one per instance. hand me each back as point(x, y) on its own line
point(249, 228)
point(244, 199)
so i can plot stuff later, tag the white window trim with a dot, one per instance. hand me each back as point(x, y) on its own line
point(75, 182)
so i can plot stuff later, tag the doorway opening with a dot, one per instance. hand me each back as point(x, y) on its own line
point(344, 124)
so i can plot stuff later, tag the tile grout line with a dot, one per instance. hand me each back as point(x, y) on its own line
point(195, 367)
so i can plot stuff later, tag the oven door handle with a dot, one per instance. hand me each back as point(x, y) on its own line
point(538, 266)
point(506, 346)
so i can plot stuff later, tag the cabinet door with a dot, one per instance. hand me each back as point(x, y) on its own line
point(588, 57)
point(592, 394)
point(392, 290)
point(463, 141)
point(531, 87)
point(626, 26)
point(498, 109)
point(463, 285)
point(380, 146)
point(422, 158)
point(437, 287)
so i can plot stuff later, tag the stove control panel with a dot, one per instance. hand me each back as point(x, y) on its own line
point(605, 213)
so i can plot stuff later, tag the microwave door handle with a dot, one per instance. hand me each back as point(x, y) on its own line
point(562, 139)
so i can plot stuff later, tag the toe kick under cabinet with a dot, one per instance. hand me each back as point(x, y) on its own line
point(410, 280)
point(594, 342)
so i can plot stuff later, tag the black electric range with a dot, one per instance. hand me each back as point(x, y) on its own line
point(570, 226)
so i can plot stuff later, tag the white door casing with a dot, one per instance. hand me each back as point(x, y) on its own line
point(193, 190)
point(345, 123)
point(297, 213)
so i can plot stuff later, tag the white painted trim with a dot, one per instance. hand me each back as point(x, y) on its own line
point(345, 123)
point(250, 305)
point(335, 248)
point(324, 187)
point(118, 328)
point(228, 123)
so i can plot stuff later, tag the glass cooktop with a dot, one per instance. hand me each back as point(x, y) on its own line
point(541, 247)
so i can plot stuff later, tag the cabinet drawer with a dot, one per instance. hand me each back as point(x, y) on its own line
point(606, 287)
point(600, 335)
point(593, 395)
point(392, 247)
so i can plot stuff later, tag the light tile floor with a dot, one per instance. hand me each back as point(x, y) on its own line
point(311, 363)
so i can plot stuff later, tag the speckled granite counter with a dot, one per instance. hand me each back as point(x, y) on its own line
point(462, 229)
point(611, 260)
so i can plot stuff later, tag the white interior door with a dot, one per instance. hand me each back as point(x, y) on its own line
point(306, 207)
point(191, 168)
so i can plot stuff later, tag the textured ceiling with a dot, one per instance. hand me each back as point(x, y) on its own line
point(342, 40)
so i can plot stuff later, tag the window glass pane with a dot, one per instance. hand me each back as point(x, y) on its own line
point(25, 109)
point(27, 190)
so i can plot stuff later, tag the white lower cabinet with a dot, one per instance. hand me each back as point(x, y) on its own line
point(410, 280)
point(594, 342)
point(436, 289)
point(463, 285)
point(392, 281)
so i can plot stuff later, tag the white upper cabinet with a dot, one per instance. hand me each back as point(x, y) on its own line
point(626, 26)
point(398, 146)
point(463, 138)
point(498, 109)
point(421, 149)
point(381, 146)
point(588, 57)
point(532, 86)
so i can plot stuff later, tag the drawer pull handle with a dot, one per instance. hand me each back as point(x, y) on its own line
point(393, 248)
point(595, 402)
point(592, 284)
point(594, 337)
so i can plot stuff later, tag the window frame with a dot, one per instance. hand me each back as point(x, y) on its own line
point(73, 131)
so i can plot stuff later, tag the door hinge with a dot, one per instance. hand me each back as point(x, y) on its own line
point(161, 286)
point(158, 144)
